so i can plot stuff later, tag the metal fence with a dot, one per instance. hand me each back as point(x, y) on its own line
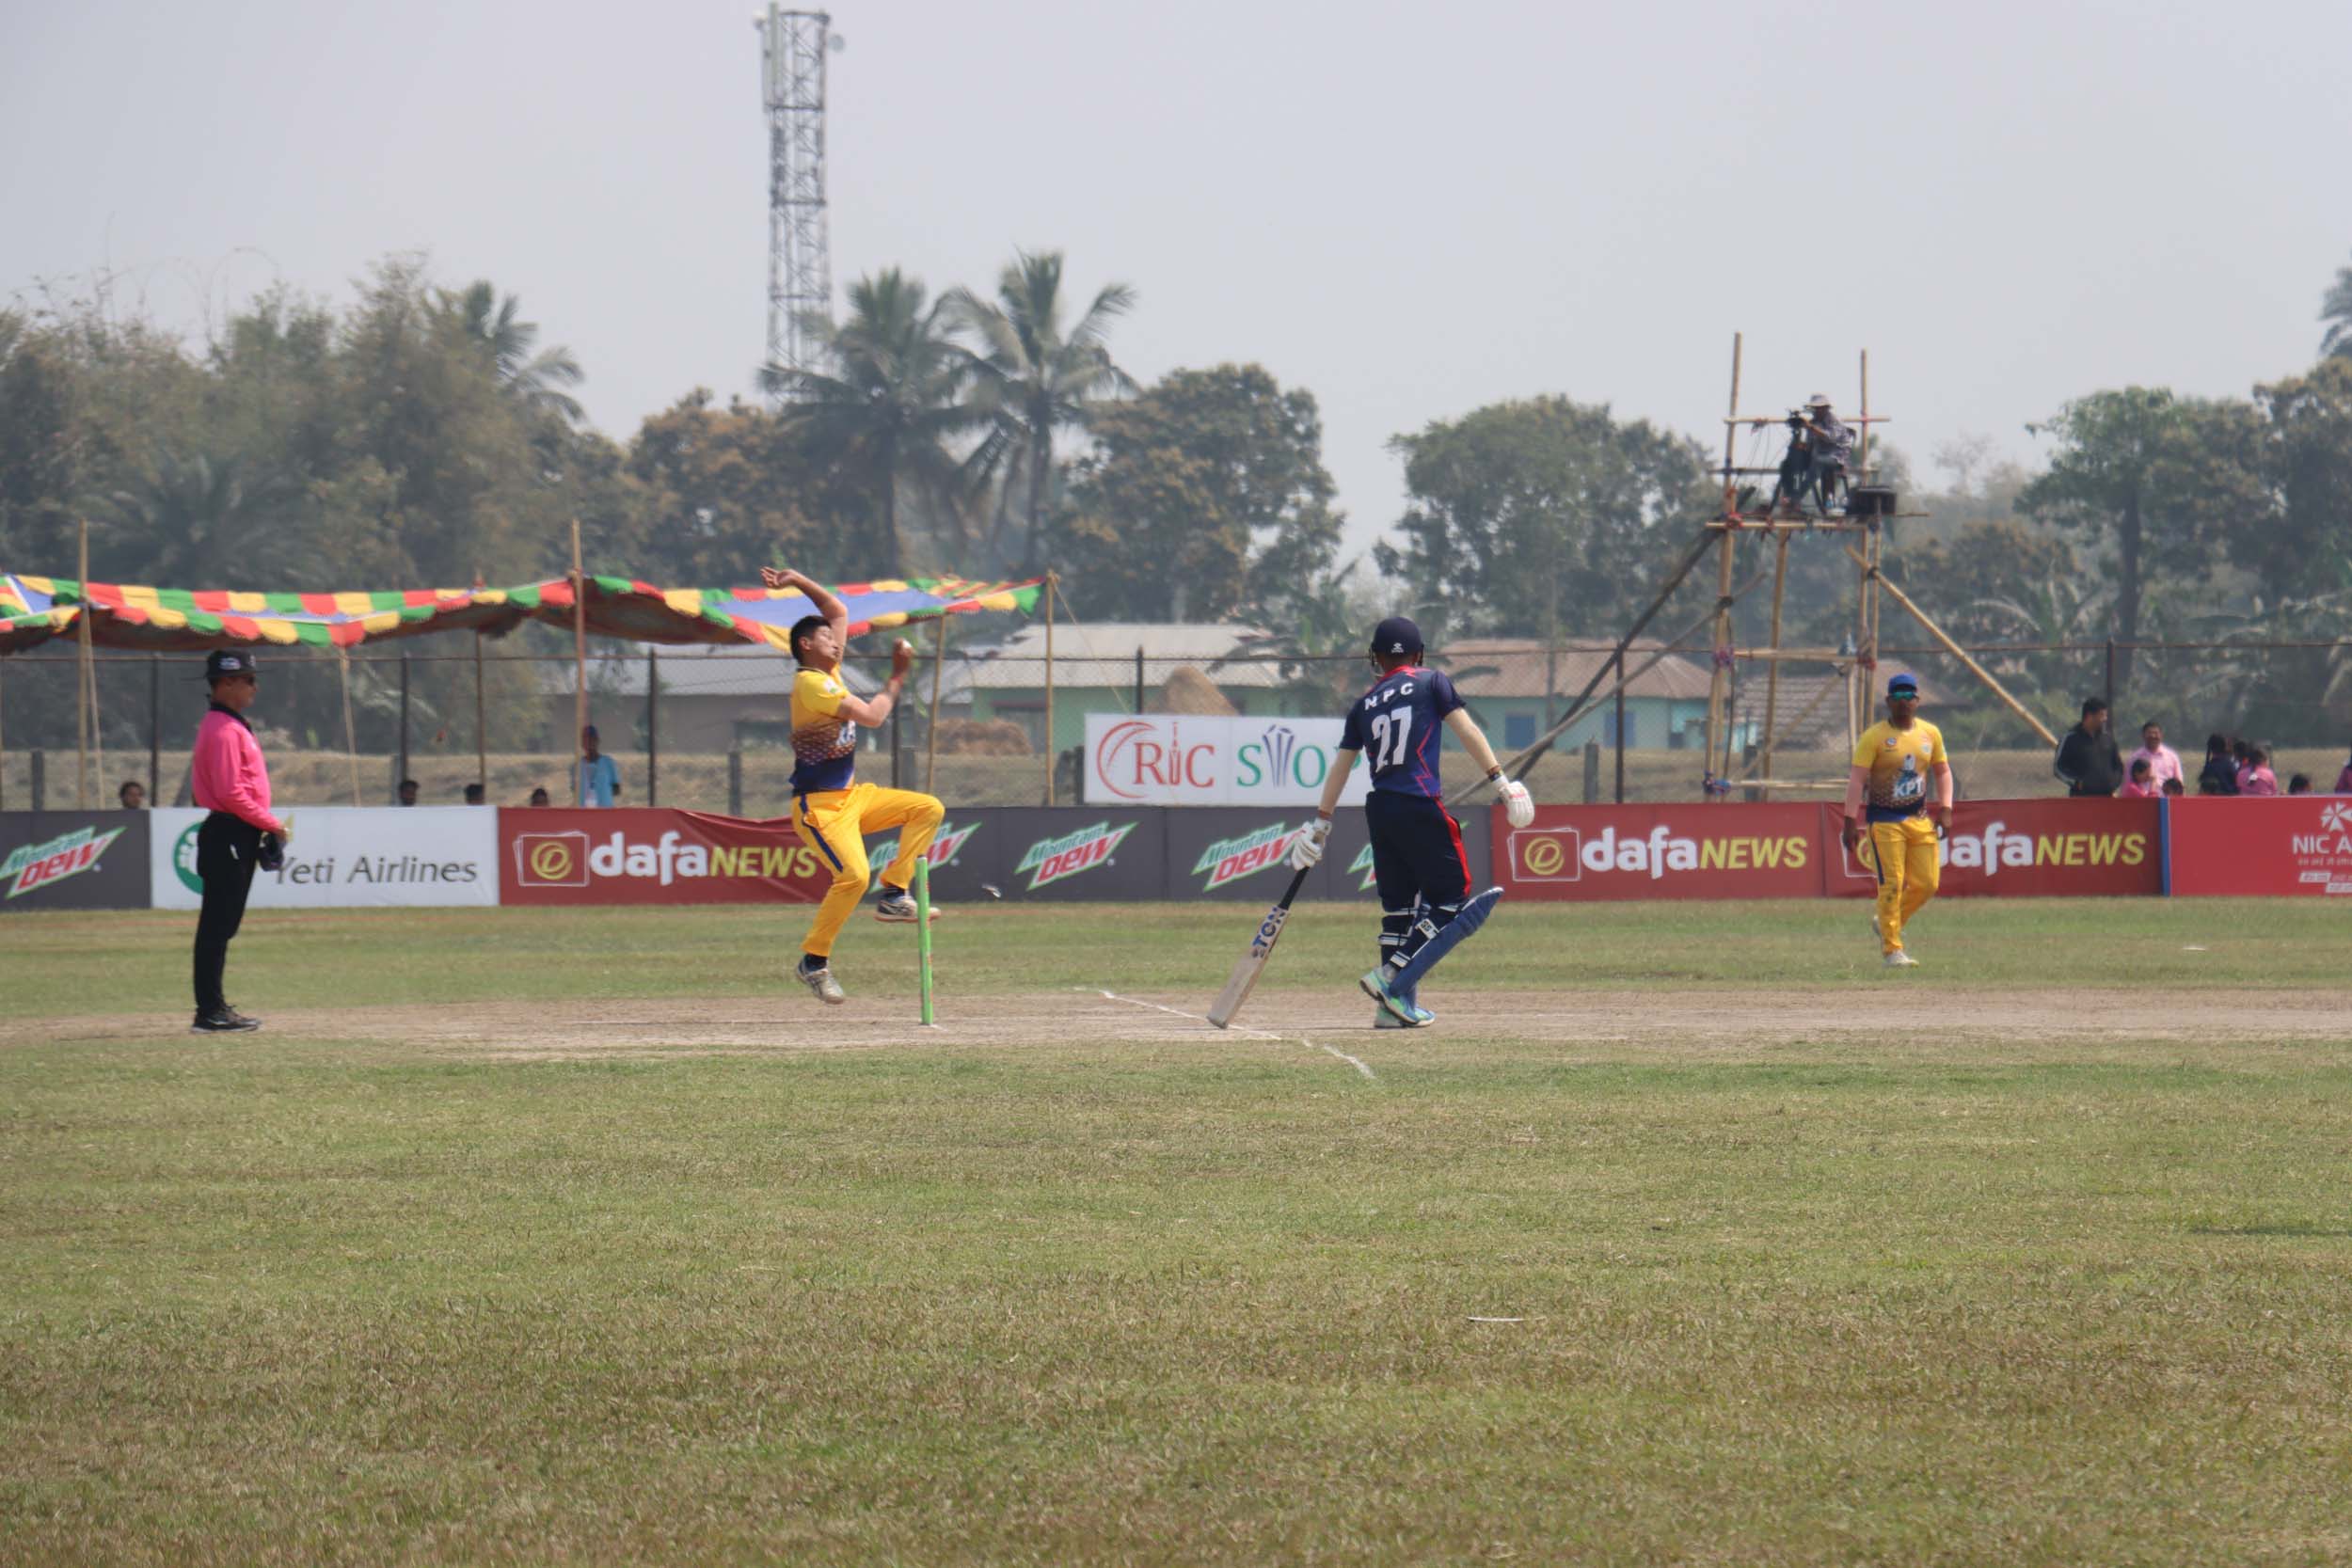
point(710, 734)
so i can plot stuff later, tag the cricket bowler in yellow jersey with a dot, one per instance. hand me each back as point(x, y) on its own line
point(1896, 763)
point(831, 811)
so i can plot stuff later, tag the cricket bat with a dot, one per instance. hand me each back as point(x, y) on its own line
point(1252, 964)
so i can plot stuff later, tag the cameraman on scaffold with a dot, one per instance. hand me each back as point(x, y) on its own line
point(1819, 446)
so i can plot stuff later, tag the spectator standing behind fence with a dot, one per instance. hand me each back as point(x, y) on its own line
point(2162, 761)
point(2219, 774)
point(2088, 761)
point(2344, 780)
point(407, 794)
point(133, 795)
point(2141, 785)
point(231, 781)
point(2300, 784)
point(2256, 778)
point(539, 797)
point(599, 777)
point(476, 795)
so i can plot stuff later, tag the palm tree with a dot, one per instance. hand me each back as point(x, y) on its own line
point(2336, 310)
point(535, 379)
point(894, 401)
point(1034, 376)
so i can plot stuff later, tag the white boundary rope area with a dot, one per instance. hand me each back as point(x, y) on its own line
point(1239, 1029)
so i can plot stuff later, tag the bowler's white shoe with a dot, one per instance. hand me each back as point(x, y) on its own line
point(1900, 959)
point(820, 981)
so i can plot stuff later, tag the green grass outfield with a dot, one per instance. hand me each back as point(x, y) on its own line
point(1961, 1289)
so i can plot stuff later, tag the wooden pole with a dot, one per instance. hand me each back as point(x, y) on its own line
point(580, 663)
point(155, 728)
point(84, 684)
point(1962, 654)
point(931, 737)
point(481, 733)
point(1616, 689)
point(3, 757)
point(653, 726)
point(1527, 758)
point(351, 734)
point(1719, 675)
point(1771, 681)
point(1052, 751)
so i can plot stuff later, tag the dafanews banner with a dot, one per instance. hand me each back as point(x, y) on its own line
point(647, 855)
point(348, 857)
point(1164, 759)
point(59, 859)
point(2060, 848)
point(1667, 851)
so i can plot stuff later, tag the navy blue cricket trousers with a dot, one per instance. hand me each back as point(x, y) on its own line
point(1416, 850)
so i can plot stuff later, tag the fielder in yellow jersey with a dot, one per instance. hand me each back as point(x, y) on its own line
point(831, 811)
point(1897, 763)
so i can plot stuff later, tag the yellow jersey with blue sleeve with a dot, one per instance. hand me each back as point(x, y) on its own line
point(1899, 761)
point(824, 744)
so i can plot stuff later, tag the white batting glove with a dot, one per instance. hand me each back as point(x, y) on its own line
point(1517, 805)
point(1307, 848)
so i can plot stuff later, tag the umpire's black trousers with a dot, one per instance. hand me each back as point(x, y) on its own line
point(227, 849)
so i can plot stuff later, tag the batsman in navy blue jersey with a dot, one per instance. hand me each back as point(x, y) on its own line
point(1418, 861)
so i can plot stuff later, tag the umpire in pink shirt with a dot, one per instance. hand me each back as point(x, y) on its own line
point(231, 781)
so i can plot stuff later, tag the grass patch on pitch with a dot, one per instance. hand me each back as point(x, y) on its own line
point(61, 964)
point(266, 1306)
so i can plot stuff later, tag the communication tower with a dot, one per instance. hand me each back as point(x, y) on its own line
point(793, 46)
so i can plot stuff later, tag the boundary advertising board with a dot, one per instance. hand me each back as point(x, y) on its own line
point(2017, 849)
point(2055, 849)
point(1679, 851)
point(1165, 759)
point(347, 857)
point(74, 860)
point(2281, 846)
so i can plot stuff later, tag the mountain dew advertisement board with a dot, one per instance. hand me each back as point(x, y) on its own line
point(58, 859)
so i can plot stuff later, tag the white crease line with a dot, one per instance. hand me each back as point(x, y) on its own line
point(1241, 1029)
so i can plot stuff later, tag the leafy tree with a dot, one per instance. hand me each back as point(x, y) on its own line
point(2155, 478)
point(1204, 495)
point(895, 402)
point(727, 490)
point(2305, 453)
point(1540, 516)
point(1036, 377)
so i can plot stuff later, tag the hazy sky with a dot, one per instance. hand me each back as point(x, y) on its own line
point(1408, 209)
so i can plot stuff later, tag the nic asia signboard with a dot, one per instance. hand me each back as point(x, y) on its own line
point(1167, 759)
point(2286, 844)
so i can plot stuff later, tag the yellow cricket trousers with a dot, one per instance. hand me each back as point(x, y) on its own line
point(1905, 854)
point(833, 823)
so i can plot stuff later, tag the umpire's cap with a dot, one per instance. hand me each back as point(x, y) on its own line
point(1396, 635)
point(224, 664)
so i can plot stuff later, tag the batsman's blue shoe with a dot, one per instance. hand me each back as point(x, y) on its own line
point(897, 907)
point(1375, 985)
point(1421, 1018)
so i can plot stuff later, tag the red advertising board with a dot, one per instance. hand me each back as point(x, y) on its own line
point(2285, 843)
point(2055, 849)
point(1665, 851)
point(635, 855)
